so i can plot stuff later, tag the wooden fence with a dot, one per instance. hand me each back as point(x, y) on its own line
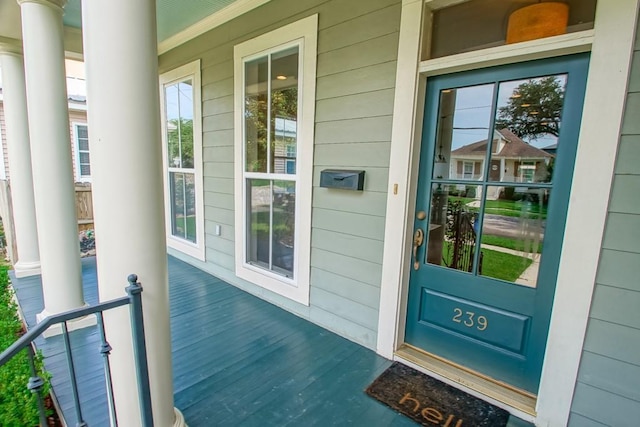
point(84, 206)
point(84, 213)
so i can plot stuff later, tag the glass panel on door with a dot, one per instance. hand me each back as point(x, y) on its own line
point(526, 119)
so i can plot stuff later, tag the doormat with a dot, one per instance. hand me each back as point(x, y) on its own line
point(431, 402)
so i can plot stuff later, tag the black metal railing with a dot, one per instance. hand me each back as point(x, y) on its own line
point(36, 383)
point(461, 236)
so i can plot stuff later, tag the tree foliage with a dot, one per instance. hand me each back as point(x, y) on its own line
point(534, 109)
point(18, 406)
point(284, 104)
point(180, 139)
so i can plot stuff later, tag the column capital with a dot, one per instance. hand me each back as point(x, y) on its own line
point(10, 46)
point(57, 4)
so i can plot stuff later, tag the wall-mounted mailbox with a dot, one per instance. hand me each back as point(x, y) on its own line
point(344, 179)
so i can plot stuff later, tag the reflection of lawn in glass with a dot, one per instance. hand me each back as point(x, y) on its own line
point(506, 242)
point(260, 224)
point(503, 266)
point(510, 208)
point(498, 265)
point(190, 224)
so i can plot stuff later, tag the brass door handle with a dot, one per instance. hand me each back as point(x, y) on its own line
point(418, 239)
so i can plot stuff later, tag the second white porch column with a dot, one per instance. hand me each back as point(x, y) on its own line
point(42, 39)
point(121, 61)
point(17, 133)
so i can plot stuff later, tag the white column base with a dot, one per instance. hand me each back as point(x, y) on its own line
point(26, 269)
point(72, 325)
point(179, 419)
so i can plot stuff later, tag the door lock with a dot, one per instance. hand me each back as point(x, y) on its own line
point(418, 239)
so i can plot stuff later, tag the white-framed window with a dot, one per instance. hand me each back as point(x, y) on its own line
point(81, 146)
point(527, 171)
point(275, 76)
point(180, 96)
point(467, 170)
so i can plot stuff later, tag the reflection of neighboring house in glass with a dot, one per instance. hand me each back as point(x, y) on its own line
point(512, 160)
point(285, 145)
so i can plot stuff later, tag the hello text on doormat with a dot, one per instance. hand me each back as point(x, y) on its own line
point(431, 402)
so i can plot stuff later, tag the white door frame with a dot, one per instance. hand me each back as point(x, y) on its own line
point(611, 45)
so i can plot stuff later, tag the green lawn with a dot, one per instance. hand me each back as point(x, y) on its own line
point(503, 266)
point(498, 265)
point(512, 208)
point(506, 242)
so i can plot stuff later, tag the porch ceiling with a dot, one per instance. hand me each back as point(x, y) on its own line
point(173, 15)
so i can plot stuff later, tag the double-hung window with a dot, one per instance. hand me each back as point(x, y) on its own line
point(182, 154)
point(83, 166)
point(275, 90)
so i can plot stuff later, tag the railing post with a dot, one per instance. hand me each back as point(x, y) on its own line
point(134, 290)
point(35, 385)
point(105, 350)
point(72, 376)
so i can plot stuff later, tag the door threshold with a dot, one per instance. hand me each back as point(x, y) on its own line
point(518, 402)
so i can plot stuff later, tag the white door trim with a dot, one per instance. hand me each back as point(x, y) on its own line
point(611, 45)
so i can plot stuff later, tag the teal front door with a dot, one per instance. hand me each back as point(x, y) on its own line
point(498, 150)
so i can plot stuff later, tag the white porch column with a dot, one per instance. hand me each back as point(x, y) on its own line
point(121, 59)
point(17, 133)
point(42, 38)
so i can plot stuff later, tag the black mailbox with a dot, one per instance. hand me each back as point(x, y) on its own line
point(345, 179)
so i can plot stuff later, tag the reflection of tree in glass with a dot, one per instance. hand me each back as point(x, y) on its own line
point(534, 108)
point(180, 130)
point(284, 103)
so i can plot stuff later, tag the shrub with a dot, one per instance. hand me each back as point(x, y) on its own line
point(18, 406)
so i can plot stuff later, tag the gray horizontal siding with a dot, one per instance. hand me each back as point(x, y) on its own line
point(357, 52)
point(607, 391)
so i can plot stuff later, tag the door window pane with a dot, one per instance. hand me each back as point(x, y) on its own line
point(453, 226)
point(525, 138)
point(513, 231)
point(464, 118)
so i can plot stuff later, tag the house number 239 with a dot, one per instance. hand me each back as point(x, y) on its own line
point(469, 319)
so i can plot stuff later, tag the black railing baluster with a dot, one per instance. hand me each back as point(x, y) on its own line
point(35, 385)
point(72, 376)
point(105, 350)
point(140, 349)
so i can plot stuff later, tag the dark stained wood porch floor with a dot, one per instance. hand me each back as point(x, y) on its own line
point(237, 360)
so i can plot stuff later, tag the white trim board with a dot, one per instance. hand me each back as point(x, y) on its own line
point(611, 45)
point(235, 9)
